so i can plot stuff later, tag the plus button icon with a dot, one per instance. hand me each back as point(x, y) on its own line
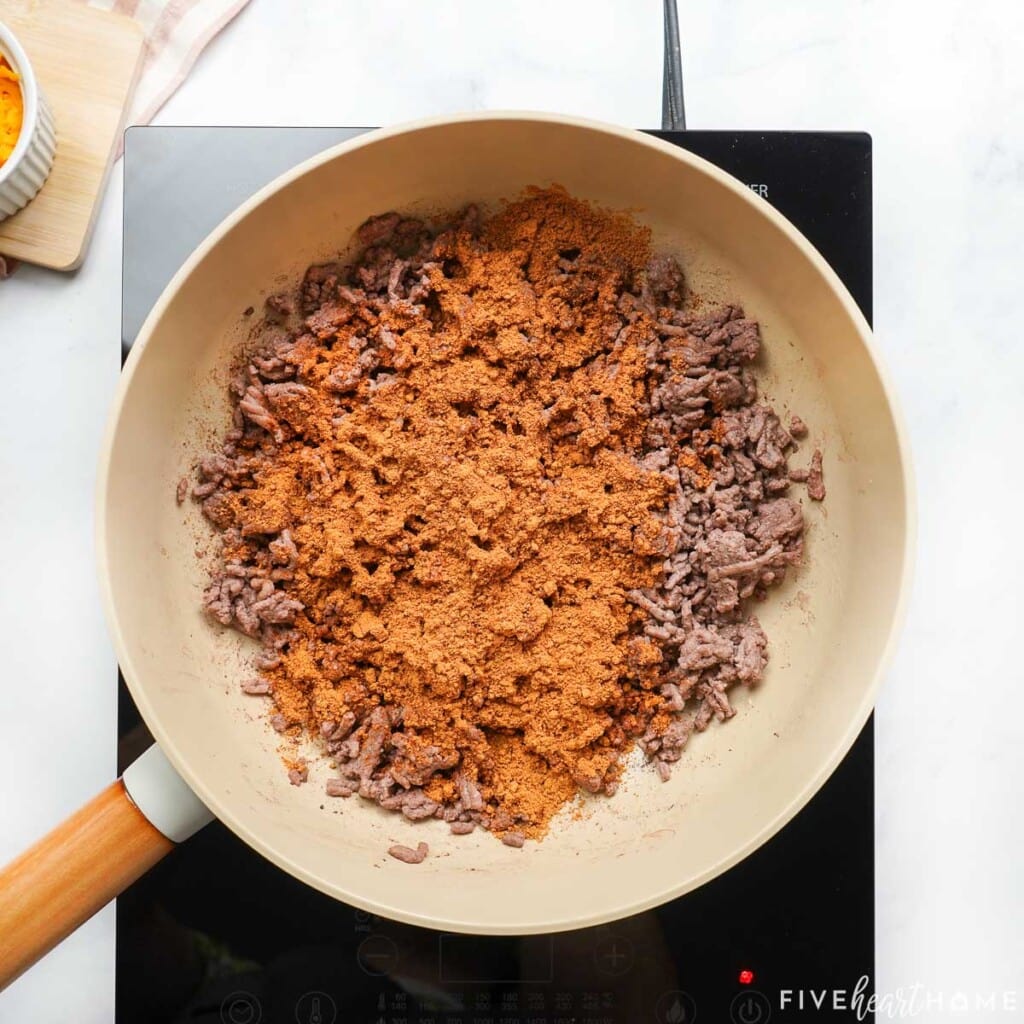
point(613, 955)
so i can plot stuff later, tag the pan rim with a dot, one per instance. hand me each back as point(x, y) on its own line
point(610, 910)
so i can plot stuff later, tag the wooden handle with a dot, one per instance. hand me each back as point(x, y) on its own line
point(70, 874)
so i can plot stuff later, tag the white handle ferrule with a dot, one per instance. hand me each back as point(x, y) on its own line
point(164, 797)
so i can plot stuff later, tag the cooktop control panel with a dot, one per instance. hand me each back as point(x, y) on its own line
point(621, 974)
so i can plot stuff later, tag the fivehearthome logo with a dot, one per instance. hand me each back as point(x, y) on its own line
point(906, 1002)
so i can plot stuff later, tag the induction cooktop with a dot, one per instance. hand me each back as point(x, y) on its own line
point(216, 934)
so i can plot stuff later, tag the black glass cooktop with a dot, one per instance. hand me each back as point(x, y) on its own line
point(217, 934)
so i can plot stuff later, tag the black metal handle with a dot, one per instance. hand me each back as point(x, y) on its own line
point(673, 113)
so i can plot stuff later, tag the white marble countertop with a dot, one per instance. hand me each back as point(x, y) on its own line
point(940, 87)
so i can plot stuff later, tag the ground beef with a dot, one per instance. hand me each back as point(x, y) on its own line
point(815, 478)
point(408, 855)
point(281, 305)
point(725, 533)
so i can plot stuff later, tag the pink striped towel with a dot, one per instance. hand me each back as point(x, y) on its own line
point(177, 31)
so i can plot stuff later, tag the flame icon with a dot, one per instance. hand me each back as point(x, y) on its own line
point(676, 1013)
point(675, 1007)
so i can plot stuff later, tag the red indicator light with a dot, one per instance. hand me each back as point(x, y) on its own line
point(746, 977)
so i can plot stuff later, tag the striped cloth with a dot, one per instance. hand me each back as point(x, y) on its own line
point(177, 31)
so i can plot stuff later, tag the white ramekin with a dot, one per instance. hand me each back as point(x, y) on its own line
point(24, 172)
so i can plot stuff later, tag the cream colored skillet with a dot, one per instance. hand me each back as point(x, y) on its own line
point(831, 627)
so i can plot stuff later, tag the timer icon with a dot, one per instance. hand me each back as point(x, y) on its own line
point(241, 1008)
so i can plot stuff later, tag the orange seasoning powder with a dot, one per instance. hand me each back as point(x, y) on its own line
point(467, 532)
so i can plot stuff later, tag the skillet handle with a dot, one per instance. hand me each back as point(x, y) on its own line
point(59, 883)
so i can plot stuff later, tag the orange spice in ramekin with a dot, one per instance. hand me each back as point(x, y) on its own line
point(12, 109)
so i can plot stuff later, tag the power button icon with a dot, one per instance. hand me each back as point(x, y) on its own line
point(750, 1008)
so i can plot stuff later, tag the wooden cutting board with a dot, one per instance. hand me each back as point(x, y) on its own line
point(87, 62)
